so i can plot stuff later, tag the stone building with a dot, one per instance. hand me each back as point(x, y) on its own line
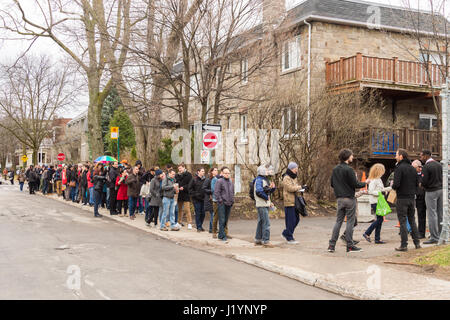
point(354, 46)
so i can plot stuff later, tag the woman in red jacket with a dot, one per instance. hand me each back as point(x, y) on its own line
point(90, 180)
point(122, 197)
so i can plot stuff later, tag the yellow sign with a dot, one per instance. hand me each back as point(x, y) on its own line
point(24, 158)
point(114, 132)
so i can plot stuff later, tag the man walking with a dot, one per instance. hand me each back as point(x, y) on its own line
point(224, 194)
point(113, 173)
point(420, 200)
point(432, 183)
point(344, 184)
point(405, 184)
point(262, 191)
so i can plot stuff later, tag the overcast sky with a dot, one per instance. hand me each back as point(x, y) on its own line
point(9, 50)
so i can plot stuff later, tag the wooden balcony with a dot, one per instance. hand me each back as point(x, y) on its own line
point(359, 71)
point(383, 143)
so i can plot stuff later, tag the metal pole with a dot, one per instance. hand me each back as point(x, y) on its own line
point(445, 103)
point(118, 149)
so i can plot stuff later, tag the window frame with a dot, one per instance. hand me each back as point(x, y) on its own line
point(244, 127)
point(295, 42)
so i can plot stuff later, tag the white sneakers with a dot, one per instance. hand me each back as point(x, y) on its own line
point(190, 226)
point(292, 242)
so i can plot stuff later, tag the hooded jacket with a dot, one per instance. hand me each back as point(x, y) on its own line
point(224, 191)
point(156, 192)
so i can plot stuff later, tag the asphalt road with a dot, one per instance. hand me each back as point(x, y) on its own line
point(50, 250)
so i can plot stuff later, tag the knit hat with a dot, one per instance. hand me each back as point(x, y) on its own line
point(292, 165)
point(158, 172)
point(261, 171)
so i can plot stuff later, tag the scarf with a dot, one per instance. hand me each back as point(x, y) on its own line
point(291, 174)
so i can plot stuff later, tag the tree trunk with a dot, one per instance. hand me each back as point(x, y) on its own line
point(35, 155)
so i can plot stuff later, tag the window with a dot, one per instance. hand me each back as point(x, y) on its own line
point(244, 71)
point(433, 57)
point(194, 86)
point(244, 128)
point(229, 122)
point(290, 56)
point(289, 122)
point(427, 121)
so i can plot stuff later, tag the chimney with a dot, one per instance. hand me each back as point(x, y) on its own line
point(273, 12)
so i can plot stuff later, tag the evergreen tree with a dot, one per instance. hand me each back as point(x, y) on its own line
point(127, 139)
point(112, 102)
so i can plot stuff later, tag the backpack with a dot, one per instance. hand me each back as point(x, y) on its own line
point(251, 189)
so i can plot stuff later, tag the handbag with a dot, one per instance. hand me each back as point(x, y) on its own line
point(72, 183)
point(300, 206)
point(392, 196)
point(383, 207)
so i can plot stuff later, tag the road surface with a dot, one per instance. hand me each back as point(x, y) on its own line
point(50, 250)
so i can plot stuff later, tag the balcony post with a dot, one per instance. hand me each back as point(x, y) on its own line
point(341, 70)
point(394, 70)
point(359, 73)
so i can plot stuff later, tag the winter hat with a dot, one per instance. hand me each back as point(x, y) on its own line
point(261, 171)
point(158, 172)
point(292, 165)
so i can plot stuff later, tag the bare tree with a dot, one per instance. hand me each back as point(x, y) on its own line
point(8, 145)
point(89, 31)
point(31, 94)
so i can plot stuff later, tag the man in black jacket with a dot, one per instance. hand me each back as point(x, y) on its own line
point(344, 183)
point(183, 178)
point(198, 197)
point(420, 200)
point(405, 184)
point(113, 173)
point(432, 183)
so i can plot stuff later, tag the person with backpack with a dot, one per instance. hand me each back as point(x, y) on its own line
point(208, 199)
point(57, 181)
point(290, 189)
point(262, 190)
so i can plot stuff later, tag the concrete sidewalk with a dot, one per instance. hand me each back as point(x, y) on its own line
point(349, 274)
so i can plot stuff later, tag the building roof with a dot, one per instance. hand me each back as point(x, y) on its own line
point(353, 12)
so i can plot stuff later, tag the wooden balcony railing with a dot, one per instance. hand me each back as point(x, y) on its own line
point(373, 69)
point(388, 141)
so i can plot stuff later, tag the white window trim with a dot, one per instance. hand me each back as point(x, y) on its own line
point(428, 116)
point(289, 135)
point(244, 133)
point(297, 57)
point(244, 71)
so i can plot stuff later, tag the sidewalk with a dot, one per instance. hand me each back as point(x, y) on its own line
point(354, 275)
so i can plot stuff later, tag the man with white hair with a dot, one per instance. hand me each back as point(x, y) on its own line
point(420, 201)
point(263, 188)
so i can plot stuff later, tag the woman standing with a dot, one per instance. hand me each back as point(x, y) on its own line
point(22, 179)
point(375, 186)
point(208, 196)
point(99, 181)
point(122, 197)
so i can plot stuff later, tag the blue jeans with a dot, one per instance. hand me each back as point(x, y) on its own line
point(263, 226)
point(44, 190)
point(107, 197)
point(97, 200)
point(91, 195)
point(132, 201)
point(21, 185)
point(141, 205)
point(375, 225)
point(199, 208)
point(224, 214)
point(291, 219)
point(211, 219)
point(408, 226)
point(168, 213)
point(176, 213)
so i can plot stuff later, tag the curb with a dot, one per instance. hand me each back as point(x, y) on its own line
point(306, 277)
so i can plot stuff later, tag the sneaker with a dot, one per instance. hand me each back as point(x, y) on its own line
point(258, 243)
point(430, 242)
point(284, 237)
point(189, 226)
point(354, 249)
point(380, 242)
point(225, 240)
point(178, 225)
point(268, 245)
point(292, 242)
point(182, 224)
point(401, 249)
point(199, 230)
point(174, 229)
point(164, 229)
point(418, 246)
point(147, 224)
point(214, 236)
point(365, 236)
point(98, 215)
point(331, 248)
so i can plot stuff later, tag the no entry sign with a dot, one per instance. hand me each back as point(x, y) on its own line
point(210, 140)
point(61, 156)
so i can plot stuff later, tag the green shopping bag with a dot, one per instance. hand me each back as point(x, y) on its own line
point(383, 207)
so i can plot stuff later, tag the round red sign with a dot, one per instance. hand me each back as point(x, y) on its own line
point(61, 156)
point(210, 140)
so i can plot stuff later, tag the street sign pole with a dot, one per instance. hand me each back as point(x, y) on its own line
point(118, 149)
point(444, 236)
